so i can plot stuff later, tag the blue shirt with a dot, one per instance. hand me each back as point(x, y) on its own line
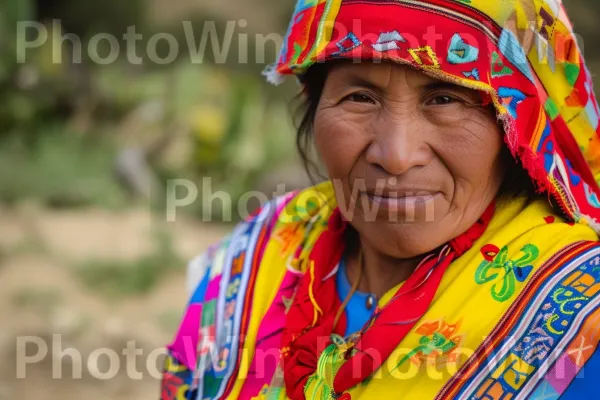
point(357, 310)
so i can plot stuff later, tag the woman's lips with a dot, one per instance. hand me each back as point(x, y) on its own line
point(406, 202)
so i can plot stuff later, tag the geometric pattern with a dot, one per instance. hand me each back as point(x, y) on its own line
point(388, 41)
point(460, 52)
point(474, 73)
point(511, 98)
point(499, 69)
point(346, 44)
point(424, 56)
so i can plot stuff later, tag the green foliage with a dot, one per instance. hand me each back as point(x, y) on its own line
point(117, 278)
point(38, 299)
point(36, 93)
point(62, 169)
point(13, 107)
point(239, 142)
point(85, 18)
point(11, 12)
point(46, 89)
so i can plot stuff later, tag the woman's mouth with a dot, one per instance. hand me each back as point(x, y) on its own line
point(408, 204)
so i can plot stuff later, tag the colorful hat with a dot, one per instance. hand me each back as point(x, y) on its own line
point(521, 52)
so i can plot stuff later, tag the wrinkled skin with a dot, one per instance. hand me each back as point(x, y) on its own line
point(415, 161)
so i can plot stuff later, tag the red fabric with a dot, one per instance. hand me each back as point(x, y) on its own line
point(303, 342)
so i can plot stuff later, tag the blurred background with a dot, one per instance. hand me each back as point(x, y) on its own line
point(89, 140)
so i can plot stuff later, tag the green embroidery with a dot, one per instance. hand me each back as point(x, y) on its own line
point(551, 108)
point(500, 267)
point(567, 300)
point(208, 313)
point(306, 210)
point(498, 67)
point(572, 73)
point(297, 52)
point(329, 363)
point(327, 366)
point(438, 339)
point(429, 346)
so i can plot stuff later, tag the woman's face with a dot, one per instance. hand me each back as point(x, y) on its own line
point(414, 160)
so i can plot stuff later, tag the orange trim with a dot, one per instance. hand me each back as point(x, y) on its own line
point(539, 129)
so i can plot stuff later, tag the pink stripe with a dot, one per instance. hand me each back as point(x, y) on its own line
point(212, 292)
point(562, 373)
point(184, 346)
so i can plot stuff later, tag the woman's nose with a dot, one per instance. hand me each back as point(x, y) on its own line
point(398, 145)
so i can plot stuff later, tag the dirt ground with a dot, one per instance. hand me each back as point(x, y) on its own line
point(59, 338)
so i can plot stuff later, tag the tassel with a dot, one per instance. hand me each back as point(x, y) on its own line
point(273, 77)
point(317, 309)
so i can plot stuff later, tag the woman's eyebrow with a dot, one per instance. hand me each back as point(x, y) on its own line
point(354, 80)
point(443, 85)
point(357, 80)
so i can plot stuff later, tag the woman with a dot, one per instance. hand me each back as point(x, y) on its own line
point(430, 264)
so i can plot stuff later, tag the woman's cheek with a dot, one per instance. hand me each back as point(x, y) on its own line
point(477, 140)
point(339, 141)
point(471, 154)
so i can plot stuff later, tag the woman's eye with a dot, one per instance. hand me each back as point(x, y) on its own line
point(359, 98)
point(442, 100)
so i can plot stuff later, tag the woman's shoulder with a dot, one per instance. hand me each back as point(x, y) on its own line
point(253, 257)
point(535, 220)
point(531, 232)
point(283, 228)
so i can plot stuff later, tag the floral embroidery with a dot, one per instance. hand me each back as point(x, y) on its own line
point(496, 266)
point(438, 345)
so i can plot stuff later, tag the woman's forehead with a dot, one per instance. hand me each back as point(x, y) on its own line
point(381, 74)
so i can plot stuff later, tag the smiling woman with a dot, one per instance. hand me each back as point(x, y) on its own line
point(452, 253)
point(407, 143)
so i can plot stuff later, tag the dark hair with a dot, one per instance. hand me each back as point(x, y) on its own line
point(517, 181)
point(313, 81)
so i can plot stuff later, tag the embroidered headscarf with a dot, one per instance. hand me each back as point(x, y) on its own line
point(523, 53)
